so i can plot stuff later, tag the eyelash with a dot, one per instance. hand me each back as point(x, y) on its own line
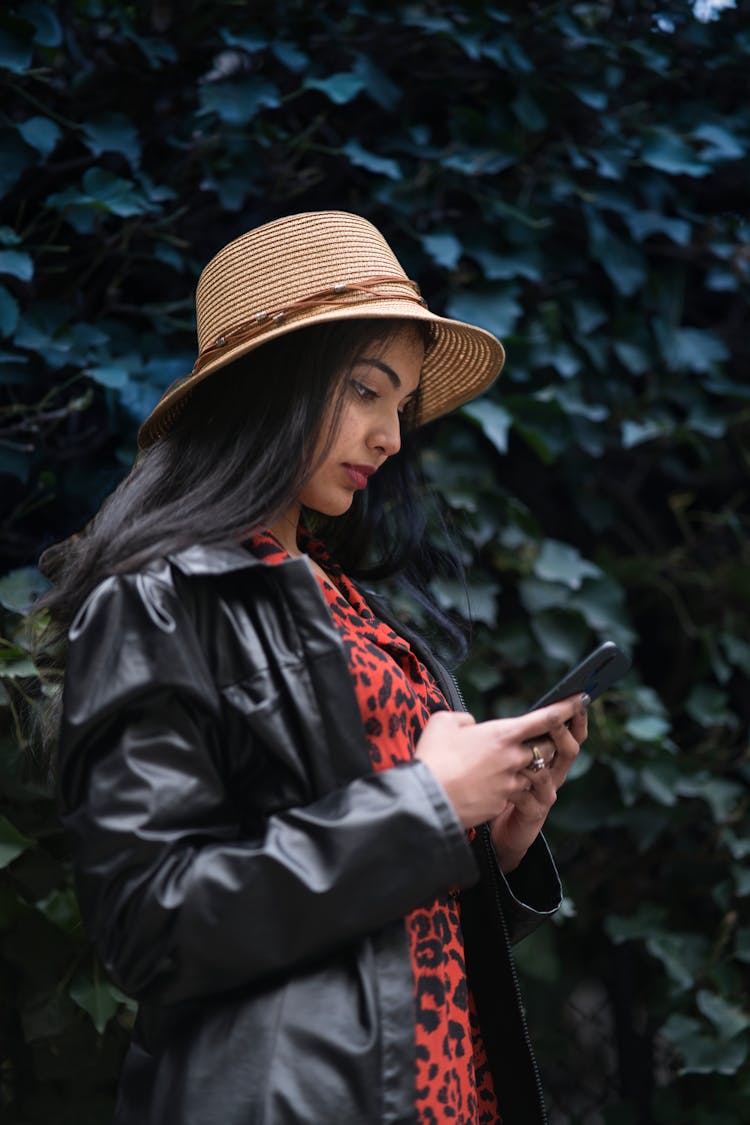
point(367, 394)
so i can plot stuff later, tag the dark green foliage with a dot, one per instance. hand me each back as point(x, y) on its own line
point(572, 176)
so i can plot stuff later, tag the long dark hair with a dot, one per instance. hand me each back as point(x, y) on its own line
point(238, 456)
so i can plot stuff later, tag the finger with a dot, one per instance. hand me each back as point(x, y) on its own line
point(463, 719)
point(566, 751)
point(534, 724)
point(579, 726)
point(537, 797)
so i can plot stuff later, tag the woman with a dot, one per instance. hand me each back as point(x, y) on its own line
point(292, 844)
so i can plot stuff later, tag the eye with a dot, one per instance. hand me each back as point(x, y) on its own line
point(367, 394)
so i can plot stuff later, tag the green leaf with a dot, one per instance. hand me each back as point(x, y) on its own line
point(47, 29)
point(495, 309)
point(61, 908)
point(525, 262)
point(361, 158)
point(17, 263)
point(93, 993)
point(691, 349)
point(728, 1019)
point(635, 433)
point(113, 132)
point(493, 420)
point(290, 55)
point(377, 84)
point(591, 96)
point(529, 113)
point(561, 562)
point(622, 262)
point(15, 157)
point(238, 101)
point(632, 356)
point(12, 842)
point(644, 223)
point(41, 133)
point(15, 53)
point(339, 88)
point(103, 191)
point(560, 635)
point(707, 705)
point(647, 728)
point(8, 312)
point(682, 955)
point(720, 143)
point(250, 41)
point(702, 1053)
point(20, 588)
point(444, 249)
point(668, 152)
point(109, 375)
point(722, 796)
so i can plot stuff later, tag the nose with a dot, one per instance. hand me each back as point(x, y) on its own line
point(385, 435)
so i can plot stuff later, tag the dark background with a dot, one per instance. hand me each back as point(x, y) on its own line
point(573, 176)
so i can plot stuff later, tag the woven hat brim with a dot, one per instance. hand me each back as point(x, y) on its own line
point(462, 361)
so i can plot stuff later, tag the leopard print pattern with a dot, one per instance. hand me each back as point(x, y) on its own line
point(396, 696)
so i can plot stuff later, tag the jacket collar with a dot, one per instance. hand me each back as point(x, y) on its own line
point(220, 558)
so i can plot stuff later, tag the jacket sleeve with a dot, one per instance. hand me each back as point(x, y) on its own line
point(530, 894)
point(177, 900)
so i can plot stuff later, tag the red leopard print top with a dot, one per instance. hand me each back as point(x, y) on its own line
point(396, 696)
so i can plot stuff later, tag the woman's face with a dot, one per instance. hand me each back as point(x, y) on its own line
point(377, 390)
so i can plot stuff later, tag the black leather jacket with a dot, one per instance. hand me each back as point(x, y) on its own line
point(244, 873)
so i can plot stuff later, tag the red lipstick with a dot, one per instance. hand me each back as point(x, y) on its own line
point(359, 474)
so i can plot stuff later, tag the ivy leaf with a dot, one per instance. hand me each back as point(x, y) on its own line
point(444, 248)
point(113, 132)
point(377, 84)
point(12, 842)
point(290, 55)
point(561, 562)
point(16, 157)
point(17, 263)
point(647, 728)
point(93, 993)
point(15, 53)
point(728, 1019)
point(47, 28)
point(339, 88)
point(493, 420)
point(702, 1053)
point(19, 589)
point(668, 152)
point(8, 312)
point(623, 263)
point(380, 165)
point(238, 101)
point(109, 375)
point(41, 133)
point(496, 309)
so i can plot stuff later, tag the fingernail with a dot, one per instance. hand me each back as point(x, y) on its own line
point(585, 700)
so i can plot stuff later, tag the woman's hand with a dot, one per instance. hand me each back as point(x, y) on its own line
point(484, 768)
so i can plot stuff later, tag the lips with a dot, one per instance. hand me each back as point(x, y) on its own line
point(359, 474)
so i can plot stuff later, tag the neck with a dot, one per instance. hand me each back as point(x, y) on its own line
point(285, 529)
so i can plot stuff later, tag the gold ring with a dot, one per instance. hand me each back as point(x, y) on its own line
point(537, 760)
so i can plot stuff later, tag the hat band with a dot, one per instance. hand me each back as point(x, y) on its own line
point(332, 296)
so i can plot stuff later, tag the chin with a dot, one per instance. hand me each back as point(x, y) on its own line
point(332, 507)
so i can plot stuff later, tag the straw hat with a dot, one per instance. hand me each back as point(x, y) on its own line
point(312, 268)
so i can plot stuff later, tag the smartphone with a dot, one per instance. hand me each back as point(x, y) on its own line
point(593, 675)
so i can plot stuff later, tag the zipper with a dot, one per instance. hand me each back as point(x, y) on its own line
point(490, 851)
point(492, 861)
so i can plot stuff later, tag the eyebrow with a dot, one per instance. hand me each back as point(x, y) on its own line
point(386, 369)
